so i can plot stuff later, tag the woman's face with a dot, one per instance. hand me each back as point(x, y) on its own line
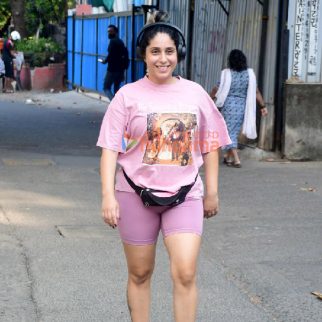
point(161, 58)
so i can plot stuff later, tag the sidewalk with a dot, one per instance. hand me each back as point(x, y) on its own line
point(67, 99)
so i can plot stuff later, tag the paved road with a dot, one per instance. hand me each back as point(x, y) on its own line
point(261, 257)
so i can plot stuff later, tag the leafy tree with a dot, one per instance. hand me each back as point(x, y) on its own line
point(4, 13)
point(31, 16)
point(41, 12)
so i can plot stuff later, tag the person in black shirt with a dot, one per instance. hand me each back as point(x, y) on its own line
point(116, 60)
point(8, 54)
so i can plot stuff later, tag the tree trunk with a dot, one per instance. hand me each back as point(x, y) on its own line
point(18, 16)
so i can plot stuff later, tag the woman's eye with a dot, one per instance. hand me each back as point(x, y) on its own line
point(170, 51)
point(154, 51)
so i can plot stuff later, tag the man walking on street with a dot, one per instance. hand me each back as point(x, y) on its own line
point(118, 61)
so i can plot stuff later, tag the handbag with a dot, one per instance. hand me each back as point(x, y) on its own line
point(149, 199)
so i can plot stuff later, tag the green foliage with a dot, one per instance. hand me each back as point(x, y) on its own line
point(40, 12)
point(4, 12)
point(40, 52)
point(71, 4)
point(40, 45)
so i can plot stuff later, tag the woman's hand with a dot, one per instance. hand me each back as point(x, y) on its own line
point(264, 111)
point(110, 210)
point(213, 92)
point(210, 205)
point(210, 201)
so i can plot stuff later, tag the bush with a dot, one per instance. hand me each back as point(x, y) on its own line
point(40, 52)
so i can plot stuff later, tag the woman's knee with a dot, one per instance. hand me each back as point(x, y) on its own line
point(141, 275)
point(184, 276)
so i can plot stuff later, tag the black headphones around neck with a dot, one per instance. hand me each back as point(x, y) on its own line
point(181, 47)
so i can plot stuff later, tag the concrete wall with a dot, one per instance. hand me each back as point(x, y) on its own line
point(43, 78)
point(50, 77)
point(303, 122)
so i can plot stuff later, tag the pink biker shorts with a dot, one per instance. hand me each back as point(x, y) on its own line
point(140, 225)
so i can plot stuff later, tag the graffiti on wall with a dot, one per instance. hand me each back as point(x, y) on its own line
point(306, 36)
point(314, 32)
point(299, 37)
point(217, 41)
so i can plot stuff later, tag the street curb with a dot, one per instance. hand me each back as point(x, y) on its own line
point(254, 153)
point(93, 95)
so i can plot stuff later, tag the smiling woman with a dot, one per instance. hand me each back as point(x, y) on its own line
point(161, 59)
point(157, 129)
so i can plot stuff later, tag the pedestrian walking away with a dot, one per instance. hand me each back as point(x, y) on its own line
point(8, 54)
point(236, 94)
point(160, 130)
point(117, 60)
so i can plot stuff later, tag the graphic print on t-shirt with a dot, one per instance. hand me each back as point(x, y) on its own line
point(169, 138)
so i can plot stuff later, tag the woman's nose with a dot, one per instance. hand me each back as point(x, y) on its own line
point(163, 56)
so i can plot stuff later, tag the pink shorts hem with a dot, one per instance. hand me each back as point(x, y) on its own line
point(139, 242)
point(181, 231)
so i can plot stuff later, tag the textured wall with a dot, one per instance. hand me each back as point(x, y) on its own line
point(303, 122)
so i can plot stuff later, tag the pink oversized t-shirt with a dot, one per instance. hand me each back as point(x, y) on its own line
point(161, 132)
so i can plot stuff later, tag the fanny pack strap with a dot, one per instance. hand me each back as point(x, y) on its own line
point(162, 201)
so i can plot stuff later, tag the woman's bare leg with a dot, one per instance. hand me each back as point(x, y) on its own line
point(140, 262)
point(236, 157)
point(7, 84)
point(183, 249)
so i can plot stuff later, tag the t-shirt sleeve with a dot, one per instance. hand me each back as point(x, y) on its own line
point(9, 45)
point(213, 131)
point(113, 126)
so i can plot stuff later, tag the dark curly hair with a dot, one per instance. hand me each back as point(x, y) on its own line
point(237, 60)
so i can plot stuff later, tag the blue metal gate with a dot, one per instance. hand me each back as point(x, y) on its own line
point(87, 41)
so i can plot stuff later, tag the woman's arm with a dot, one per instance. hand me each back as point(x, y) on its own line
point(110, 206)
point(211, 165)
point(11, 48)
point(13, 53)
point(213, 92)
point(260, 101)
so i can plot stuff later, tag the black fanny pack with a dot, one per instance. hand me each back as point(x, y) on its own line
point(149, 199)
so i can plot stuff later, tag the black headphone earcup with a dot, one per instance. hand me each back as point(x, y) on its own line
point(184, 52)
point(138, 52)
point(181, 52)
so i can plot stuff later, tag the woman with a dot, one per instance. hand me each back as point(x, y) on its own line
point(145, 129)
point(237, 94)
